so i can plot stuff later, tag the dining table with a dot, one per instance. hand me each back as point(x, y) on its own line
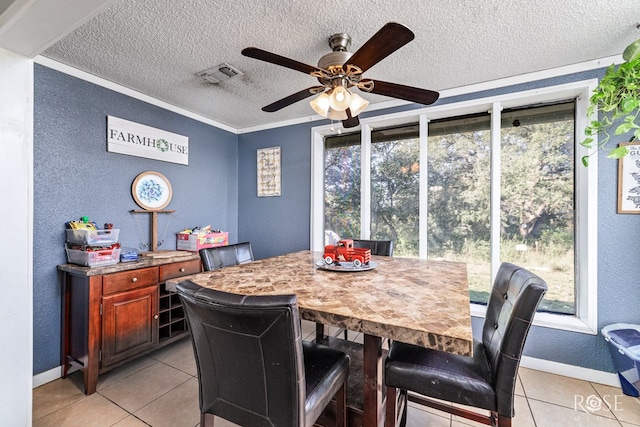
point(417, 301)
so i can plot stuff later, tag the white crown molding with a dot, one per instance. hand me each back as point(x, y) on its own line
point(83, 75)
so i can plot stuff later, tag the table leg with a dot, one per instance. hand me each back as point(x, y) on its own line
point(372, 396)
point(319, 332)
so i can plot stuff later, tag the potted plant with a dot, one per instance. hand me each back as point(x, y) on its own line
point(617, 98)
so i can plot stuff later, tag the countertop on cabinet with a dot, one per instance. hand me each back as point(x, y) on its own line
point(143, 262)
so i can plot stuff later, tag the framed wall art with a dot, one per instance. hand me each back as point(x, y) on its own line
point(151, 190)
point(629, 180)
point(269, 172)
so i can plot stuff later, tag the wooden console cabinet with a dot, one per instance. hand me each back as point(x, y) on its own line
point(115, 313)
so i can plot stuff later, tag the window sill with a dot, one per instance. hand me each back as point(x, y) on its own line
point(548, 320)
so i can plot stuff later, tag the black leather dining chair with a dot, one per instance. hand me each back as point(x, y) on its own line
point(226, 256)
point(254, 369)
point(378, 247)
point(486, 380)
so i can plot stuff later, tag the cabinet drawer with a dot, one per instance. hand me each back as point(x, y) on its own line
point(177, 269)
point(126, 280)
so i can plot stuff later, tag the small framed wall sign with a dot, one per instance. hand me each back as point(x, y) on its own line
point(629, 180)
point(269, 172)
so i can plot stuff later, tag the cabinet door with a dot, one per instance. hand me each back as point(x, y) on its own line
point(129, 324)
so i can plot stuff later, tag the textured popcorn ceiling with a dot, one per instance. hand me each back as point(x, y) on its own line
point(156, 46)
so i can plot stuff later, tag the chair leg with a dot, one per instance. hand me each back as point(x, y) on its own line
point(503, 421)
point(391, 407)
point(206, 420)
point(396, 402)
point(405, 408)
point(319, 332)
point(341, 406)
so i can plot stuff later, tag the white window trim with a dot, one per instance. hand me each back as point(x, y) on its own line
point(585, 320)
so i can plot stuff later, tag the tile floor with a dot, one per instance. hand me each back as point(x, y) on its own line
point(161, 389)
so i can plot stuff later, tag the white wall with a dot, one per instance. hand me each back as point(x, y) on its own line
point(16, 217)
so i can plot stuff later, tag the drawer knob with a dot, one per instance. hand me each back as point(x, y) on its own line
point(134, 280)
point(155, 317)
point(182, 270)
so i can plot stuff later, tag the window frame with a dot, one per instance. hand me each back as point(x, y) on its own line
point(586, 191)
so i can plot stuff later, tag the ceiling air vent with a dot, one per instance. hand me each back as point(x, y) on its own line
point(219, 73)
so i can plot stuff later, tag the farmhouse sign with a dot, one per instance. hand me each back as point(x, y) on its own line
point(138, 140)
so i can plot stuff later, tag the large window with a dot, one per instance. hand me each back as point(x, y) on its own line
point(499, 184)
point(394, 182)
point(341, 189)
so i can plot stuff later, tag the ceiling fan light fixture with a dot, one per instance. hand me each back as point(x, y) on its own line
point(358, 104)
point(321, 104)
point(337, 115)
point(340, 98)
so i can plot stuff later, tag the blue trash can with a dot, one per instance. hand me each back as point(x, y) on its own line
point(624, 345)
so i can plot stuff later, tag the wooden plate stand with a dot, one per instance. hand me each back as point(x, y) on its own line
point(154, 224)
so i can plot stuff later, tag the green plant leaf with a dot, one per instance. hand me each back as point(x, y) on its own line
point(629, 104)
point(632, 51)
point(617, 153)
point(623, 128)
point(587, 143)
point(585, 161)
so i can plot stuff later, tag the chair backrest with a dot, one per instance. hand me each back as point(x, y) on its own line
point(248, 355)
point(378, 247)
point(226, 256)
point(244, 253)
point(514, 299)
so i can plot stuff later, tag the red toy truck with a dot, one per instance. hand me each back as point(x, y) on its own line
point(344, 251)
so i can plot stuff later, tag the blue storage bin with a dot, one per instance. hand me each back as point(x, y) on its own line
point(624, 345)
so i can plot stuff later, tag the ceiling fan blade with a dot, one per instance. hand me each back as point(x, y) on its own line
point(387, 40)
point(263, 55)
point(350, 121)
point(298, 96)
point(408, 93)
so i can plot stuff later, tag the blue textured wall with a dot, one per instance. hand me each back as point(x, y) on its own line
point(74, 175)
point(276, 225)
point(281, 224)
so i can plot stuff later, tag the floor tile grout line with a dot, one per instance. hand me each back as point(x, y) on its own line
point(175, 367)
point(614, 414)
point(526, 398)
point(130, 374)
point(595, 392)
point(83, 397)
point(533, 417)
point(129, 414)
point(574, 409)
point(147, 404)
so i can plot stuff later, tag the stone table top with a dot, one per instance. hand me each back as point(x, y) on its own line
point(417, 301)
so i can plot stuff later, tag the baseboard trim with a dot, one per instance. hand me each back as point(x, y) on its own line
point(571, 371)
point(577, 372)
point(47, 376)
